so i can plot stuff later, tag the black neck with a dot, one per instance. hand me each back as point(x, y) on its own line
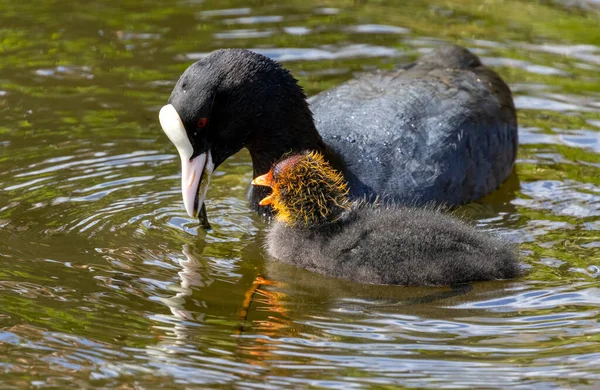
point(274, 143)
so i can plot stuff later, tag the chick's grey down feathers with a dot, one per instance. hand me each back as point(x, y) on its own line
point(395, 245)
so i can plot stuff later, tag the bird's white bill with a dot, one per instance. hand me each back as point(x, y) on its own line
point(195, 177)
point(195, 173)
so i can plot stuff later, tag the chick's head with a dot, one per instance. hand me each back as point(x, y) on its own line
point(307, 191)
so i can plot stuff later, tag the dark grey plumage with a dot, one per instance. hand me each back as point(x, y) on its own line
point(395, 245)
point(443, 131)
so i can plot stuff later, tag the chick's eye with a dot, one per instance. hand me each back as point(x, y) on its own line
point(202, 122)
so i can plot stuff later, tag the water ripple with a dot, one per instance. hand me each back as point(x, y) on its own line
point(106, 282)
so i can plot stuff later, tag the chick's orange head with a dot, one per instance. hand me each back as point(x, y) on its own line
point(307, 191)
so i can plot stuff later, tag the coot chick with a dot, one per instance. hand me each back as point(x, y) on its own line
point(319, 228)
point(441, 130)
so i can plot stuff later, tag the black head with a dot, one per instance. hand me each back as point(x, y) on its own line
point(232, 99)
point(229, 98)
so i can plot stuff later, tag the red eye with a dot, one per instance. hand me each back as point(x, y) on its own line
point(202, 122)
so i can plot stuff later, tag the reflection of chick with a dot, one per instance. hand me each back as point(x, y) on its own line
point(318, 228)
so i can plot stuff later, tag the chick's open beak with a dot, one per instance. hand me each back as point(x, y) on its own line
point(267, 181)
point(264, 180)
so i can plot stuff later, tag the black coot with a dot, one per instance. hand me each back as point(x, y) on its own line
point(442, 130)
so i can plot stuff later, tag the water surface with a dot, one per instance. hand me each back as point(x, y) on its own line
point(105, 281)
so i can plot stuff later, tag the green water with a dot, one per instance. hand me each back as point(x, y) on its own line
point(105, 281)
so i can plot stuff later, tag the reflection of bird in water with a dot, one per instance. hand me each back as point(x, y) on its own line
point(254, 326)
point(177, 333)
point(271, 299)
point(195, 277)
point(189, 277)
point(258, 302)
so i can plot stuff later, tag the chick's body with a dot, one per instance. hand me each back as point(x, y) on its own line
point(394, 245)
point(367, 243)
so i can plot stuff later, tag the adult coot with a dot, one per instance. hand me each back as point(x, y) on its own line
point(441, 130)
point(317, 227)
